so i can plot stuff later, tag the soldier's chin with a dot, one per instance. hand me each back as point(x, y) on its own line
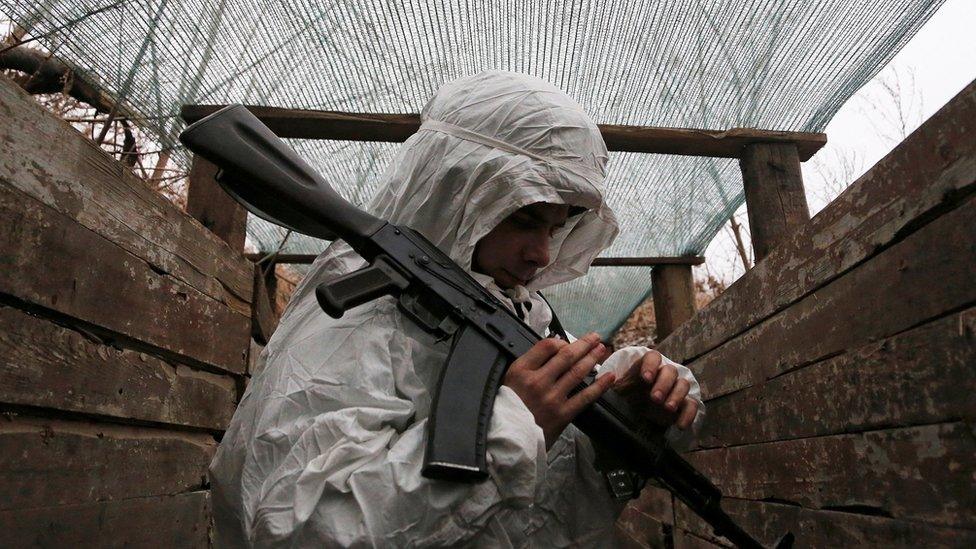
point(515, 281)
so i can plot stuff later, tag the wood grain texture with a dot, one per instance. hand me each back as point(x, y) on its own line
point(207, 202)
point(309, 124)
point(642, 529)
point(673, 291)
point(775, 200)
point(930, 171)
point(816, 528)
point(48, 260)
point(264, 318)
point(182, 520)
point(921, 376)
point(928, 274)
point(51, 462)
point(50, 366)
point(50, 161)
point(655, 502)
point(925, 473)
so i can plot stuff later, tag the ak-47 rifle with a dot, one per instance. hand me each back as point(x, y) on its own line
point(268, 178)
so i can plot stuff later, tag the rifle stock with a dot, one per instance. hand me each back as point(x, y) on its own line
point(269, 179)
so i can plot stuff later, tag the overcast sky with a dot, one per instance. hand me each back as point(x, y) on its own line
point(932, 68)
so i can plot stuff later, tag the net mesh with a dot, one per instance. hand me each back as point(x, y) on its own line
point(714, 64)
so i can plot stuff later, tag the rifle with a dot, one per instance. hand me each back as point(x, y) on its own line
point(269, 179)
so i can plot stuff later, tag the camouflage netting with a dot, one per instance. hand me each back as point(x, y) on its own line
point(716, 64)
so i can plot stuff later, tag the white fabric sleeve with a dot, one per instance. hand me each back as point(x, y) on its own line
point(333, 456)
point(621, 361)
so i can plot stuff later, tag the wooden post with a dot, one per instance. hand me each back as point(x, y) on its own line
point(214, 208)
point(674, 297)
point(774, 194)
point(264, 317)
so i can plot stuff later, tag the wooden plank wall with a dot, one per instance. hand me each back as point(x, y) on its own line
point(839, 372)
point(124, 328)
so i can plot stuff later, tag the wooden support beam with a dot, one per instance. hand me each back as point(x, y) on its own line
point(305, 259)
point(264, 317)
point(673, 292)
point(309, 124)
point(214, 208)
point(775, 199)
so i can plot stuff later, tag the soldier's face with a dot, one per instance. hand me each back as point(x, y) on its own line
point(518, 247)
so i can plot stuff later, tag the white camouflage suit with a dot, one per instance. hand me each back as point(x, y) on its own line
point(327, 444)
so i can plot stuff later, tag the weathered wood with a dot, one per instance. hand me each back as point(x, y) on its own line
point(925, 473)
point(50, 161)
point(922, 277)
point(254, 365)
point(49, 366)
point(775, 199)
point(657, 503)
point(687, 540)
point(930, 171)
point(264, 318)
point(182, 520)
point(49, 462)
point(623, 540)
point(214, 208)
point(309, 124)
point(918, 377)
point(48, 260)
point(305, 259)
point(673, 291)
point(816, 528)
point(642, 529)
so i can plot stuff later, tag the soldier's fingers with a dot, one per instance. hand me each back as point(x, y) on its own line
point(678, 393)
point(686, 413)
point(539, 354)
point(650, 365)
point(588, 396)
point(581, 369)
point(568, 355)
point(664, 383)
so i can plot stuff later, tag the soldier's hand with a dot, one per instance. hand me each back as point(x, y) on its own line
point(544, 376)
point(657, 389)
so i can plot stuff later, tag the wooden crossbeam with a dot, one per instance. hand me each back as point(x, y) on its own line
point(310, 124)
point(305, 259)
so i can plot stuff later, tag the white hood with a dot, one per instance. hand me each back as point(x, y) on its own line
point(488, 145)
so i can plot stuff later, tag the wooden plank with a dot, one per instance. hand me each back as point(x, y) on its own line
point(926, 275)
point(925, 473)
point(49, 366)
point(51, 462)
point(775, 200)
point(50, 161)
point(264, 318)
point(310, 124)
point(674, 297)
point(655, 502)
point(643, 529)
point(181, 521)
point(815, 528)
point(207, 202)
point(49, 260)
point(921, 376)
point(929, 172)
point(686, 540)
